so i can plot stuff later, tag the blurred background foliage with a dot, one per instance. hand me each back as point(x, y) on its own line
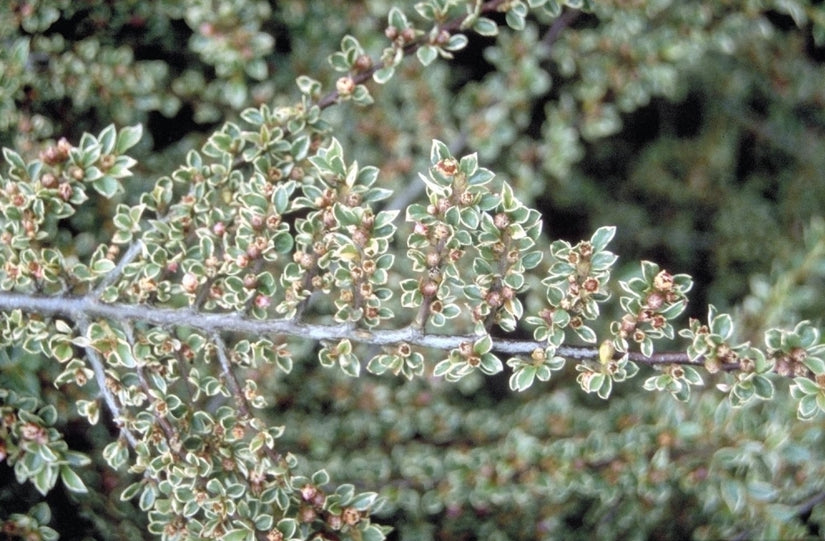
point(697, 128)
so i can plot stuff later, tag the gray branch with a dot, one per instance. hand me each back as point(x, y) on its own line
point(210, 323)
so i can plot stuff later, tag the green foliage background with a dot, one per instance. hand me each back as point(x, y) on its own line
point(697, 128)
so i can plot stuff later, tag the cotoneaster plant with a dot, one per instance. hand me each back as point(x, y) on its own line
point(271, 244)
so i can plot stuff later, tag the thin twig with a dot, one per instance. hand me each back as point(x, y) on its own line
point(235, 388)
point(229, 376)
point(112, 276)
point(100, 377)
point(171, 434)
point(563, 21)
point(808, 505)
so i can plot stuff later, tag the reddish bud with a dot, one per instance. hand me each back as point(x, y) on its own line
point(363, 62)
point(447, 167)
point(654, 300)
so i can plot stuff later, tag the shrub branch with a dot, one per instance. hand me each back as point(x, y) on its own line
point(83, 308)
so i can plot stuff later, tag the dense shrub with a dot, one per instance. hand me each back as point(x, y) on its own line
point(447, 270)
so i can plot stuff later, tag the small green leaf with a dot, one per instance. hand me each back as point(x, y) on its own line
point(128, 137)
point(486, 27)
point(350, 365)
point(483, 344)
point(338, 61)
point(72, 481)
point(491, 364)
point(282, 242)
point(253, 116)
point(383, 75)
point(107, 186)
point(692, 376)
point(14, 159)
point(722, 325)
point(397, 19)
point(41, 513)
point(102, 266)
point(363, 501)
point(808, 334)
point(457, 42)
point(602, 237)
point(531, 259)
point(49, 414)
point(595, 383)
point(773, 339)
point(372, 533)
point(345, 493)
point(646, 347)
point(442, 367)
point(361, 96)
point(514, 20)
point(238, 534)
point(308, 85)
point(264, 522)
point(522, 379)
point(426, 54)
point(45, 479)
point(763, 387)
point(815, 364)
point(733, 494)
point(287, 526)
point(586, 334)
point(602, 261)
point(806, 385)
point(807, 408)
point(320, 478)
point(107, 139)
point(605, 388)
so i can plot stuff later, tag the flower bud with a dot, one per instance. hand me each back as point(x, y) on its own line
point(428, 288)
point(48, 180)
point(501, 220)
point(351, 516)
point(447, 167)
point(345, 86)
point(442, 38)
point(190, 282)
point(663, 281)
point(654, 300)
point(363, 62)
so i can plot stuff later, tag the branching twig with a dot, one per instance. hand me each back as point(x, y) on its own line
point(171, 434)
point(130, 255)
point(235, 388)
point(229, 376)
point(211, 323)
point(332, 97)
point(100, 377)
